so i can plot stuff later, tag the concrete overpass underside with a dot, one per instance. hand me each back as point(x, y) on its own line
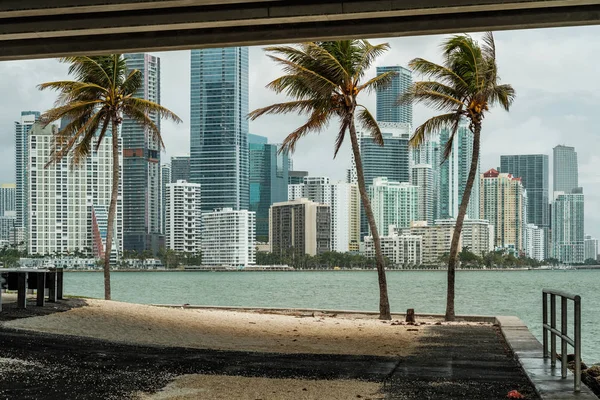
point(52, 28)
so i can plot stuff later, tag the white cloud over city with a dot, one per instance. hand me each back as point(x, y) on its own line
point(554, 72)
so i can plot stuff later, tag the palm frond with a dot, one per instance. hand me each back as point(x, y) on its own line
point(369, 54)
point(73, 110)
point(147, 107)
point(378, 83)
point(339, 140)
point(503, 95)
point(132, 83)
point(64, 140)
point(292, 68)
point(317, 121)
point(370, 125)
point(89, 69)
point(439, 73)
point(299, 107)
point(143, 119)
point(433, 126)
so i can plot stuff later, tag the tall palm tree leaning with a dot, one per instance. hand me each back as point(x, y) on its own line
point(95, 103)
point(325, 80)
point(464, 87)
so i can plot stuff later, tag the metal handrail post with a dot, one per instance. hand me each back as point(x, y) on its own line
point(564, 333)
point(553, 326)
point(545, 322)
point(577, 343)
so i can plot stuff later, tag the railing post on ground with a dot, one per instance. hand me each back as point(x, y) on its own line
point(59, 283)
point(577, 343)
point(41, 288)
point(564, 333)
point(22, 290)
point(545, 322)
point(553, 326)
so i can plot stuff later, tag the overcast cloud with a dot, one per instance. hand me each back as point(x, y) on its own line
point(554, 72)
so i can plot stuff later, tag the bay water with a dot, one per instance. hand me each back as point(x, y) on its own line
point(516, 293)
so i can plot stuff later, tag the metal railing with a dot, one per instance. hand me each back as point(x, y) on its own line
point(563, 332)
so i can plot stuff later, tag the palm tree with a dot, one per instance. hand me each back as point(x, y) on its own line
point(324, 79)
point(464, 87)
point(94, 104)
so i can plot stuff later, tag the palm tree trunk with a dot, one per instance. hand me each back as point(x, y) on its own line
point(384, 303)
point(462, 211)
point(111, 210)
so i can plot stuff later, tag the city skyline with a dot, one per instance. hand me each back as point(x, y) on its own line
point(536, 127)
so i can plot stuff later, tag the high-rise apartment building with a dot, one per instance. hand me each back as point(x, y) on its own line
point(591, 248)
point(8, 198)
point(393, 203)
point(180, 168)
point(342, 198)
point(142, 201)
point(403, 250)
point(454, 173)
point(228, 238)
point(389, 161)
point(68, 205)
point(219, 127)
point(296, 177)
point(388, 109)
point(422, 176)
point(534, 242)
point(533, 171)
point(568, 244)
point(437, 240)
point(566, 175)
point(268, 180)
point(7, 223)
point(477, 234)
point(503, 202)
point(429, 153)
point(300, 227)
point(165, 179)
point(183, 217)
point(22, 128)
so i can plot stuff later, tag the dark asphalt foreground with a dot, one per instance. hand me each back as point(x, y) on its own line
point(455, 362)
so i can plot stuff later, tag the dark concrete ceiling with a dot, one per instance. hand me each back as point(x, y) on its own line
point(51, 28)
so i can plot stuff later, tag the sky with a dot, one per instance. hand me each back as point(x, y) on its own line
point(554, 73)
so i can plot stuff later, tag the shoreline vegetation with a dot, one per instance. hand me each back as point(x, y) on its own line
point(583, 267)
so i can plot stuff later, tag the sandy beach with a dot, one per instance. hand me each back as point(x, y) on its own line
point(229, 330)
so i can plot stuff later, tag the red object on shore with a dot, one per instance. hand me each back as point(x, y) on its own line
point(513, 394)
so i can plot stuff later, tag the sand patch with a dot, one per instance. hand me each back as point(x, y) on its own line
point(219, 387)
point(228, 330)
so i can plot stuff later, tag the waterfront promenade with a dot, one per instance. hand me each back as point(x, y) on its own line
point(134, 351)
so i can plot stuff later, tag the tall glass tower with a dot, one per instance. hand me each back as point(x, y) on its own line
point(142, 213)
point(387, 109)
point(268, 181)
point(566, 177)
point(22, 128)
point(533, 171)
point(219, 127)
point(454, 173)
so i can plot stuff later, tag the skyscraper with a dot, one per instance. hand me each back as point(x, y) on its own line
point(389, 161)
point(566, 176)
point(591, 248)
point(568, 243)
point(533, 171)
point(454, 173)
point(165, 179)
point(422, 177)
point(503, 205)
point(387, 108)
point(183, 217)
point(228, 238)
point(393, 203)
point(180, 168)
point(219, 127)
point(69, 205)
point(268, 181)
point(8, 193)
point(142, 214)
point(429, 153)
point(22, 129)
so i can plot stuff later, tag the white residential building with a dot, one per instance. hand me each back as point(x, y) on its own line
point(436, 240)
point(476, 234)
point(8, 221)
point(229, 238)
point(422, 176)
point(534, 242)
point(342, 198)
point(66, 202)
point(403, 250)
point(183, 217)
point(393, 203)
point(591, 248)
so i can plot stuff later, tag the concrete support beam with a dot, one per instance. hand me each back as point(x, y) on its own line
point(39, 28)
point(22, 290)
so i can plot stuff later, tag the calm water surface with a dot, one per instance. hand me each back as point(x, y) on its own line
point(477, 292)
